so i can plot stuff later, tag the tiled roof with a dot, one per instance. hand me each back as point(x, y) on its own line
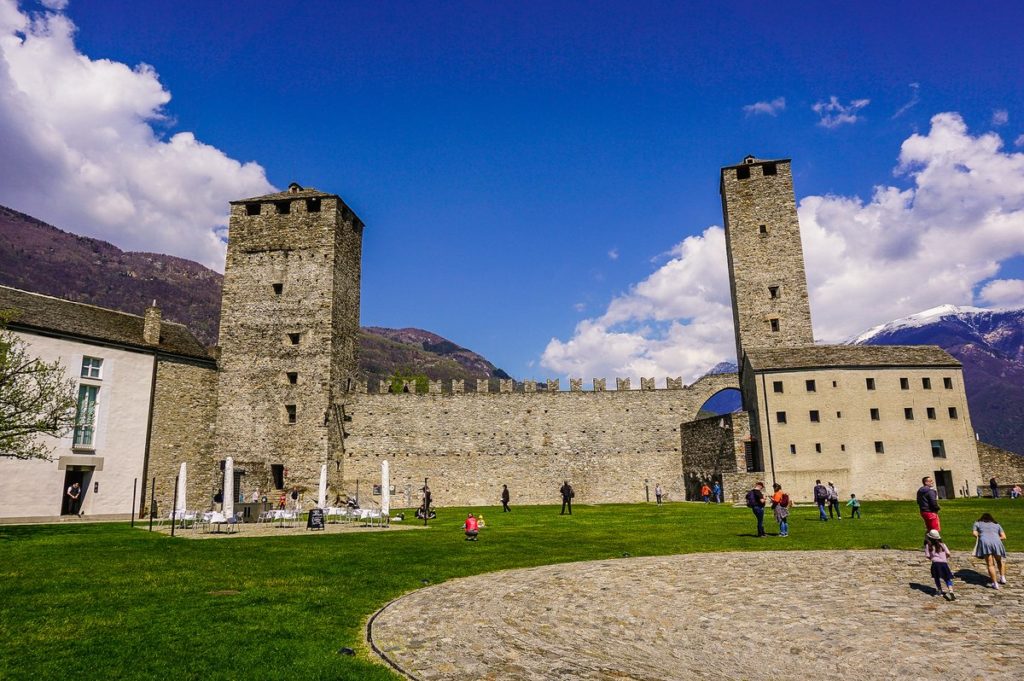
point(34, 311)
point(821, 356)
point(294, 191)
point(757, 161)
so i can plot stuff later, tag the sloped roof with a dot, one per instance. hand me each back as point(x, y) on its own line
point(294, 191)
point(753, 161)
point(823, 356)
point(35, 311)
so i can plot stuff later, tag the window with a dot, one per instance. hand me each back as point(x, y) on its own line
point(817, 447)
point(947, 383)
point(743, 173)
point(773, 292)
point(879, 447)
point(839, 414)
point(777, 386)
point(874, 414)
point(904, 384)
point(85, 415)
point(769, 169)
point(952, 412)
point(277, 472)
point(252, 209)
point(811, 386)
point(815, 417)
point(290, 412)
point(938, 449)
point(312, 205)
point(792, 449)
point(294, 338)
point(774, 323)
point(780, 417)
point(762, 230)
point(293, 377)
point(278, 289)
point(931, 413)
point(283, 207)
point(835, 384)
point(926, 383)
point(871, 383)
point(908, 413)
point(91, 367)
point(842, 448)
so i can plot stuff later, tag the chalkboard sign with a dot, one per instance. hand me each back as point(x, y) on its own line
point(315, 520)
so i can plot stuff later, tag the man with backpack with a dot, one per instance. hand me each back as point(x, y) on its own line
point(755, 502)
point(821, 498)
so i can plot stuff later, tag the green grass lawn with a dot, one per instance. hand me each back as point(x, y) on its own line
point(106, 601)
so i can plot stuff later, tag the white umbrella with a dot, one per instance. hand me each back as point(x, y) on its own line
point(180, 508)
point(322, 499)
point(229, 488)
point(385, 488)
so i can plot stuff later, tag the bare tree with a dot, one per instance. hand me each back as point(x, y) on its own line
point(36, 398)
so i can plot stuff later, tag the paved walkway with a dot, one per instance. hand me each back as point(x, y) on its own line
point(777, 614)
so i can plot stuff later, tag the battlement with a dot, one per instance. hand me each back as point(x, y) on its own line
point(483, 386)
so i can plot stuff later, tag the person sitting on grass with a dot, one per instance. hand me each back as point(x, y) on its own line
point(854, 504)
point(938, 553)
point(472, 528)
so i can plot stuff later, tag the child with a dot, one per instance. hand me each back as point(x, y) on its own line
point(854, 504)
point(939, 554)
point(472, 528)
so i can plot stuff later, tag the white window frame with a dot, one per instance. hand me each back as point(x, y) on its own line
point(82, 428)
point(92, 368)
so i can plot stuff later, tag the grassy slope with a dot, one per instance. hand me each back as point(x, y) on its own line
point(112, 602)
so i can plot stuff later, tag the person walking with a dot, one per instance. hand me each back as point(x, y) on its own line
point(938, 553)
point(505, 496)
point(74, 496)
point(928, 503)
point(567, 494)
point(716, 492)
point(756, 502)
point(854, 504)
point(781, 503)
point(994, 486)
point(705, 493)
point(658, 492)
point(820, 498)
point(991, 536)
point(833, 501)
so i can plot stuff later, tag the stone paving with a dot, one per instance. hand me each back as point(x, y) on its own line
point(766, 615)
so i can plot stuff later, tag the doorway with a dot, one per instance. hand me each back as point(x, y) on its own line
point(944, 484)
point(73, 474)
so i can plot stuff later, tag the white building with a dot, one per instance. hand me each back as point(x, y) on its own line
point(113, 358)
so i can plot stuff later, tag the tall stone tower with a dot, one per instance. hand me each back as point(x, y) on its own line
point(770, 308)
point(288, 331)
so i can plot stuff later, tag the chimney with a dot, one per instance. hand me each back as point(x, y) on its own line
point(151, 327)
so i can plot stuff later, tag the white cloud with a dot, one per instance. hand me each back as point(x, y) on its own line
point(579, 307)
point(915, 97)
point(833, 113)
point(613, 254)
point(81, 151)
point(1019, 141)
point(770, 108)
point(1004, 293)
point(1000, 117)
point(939, 240)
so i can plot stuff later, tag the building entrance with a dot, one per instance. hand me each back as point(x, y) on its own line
point(944, 484)
point(81, 475)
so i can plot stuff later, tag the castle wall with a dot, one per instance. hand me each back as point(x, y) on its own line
point(714, 449)
point(606, 443)
point(184, 414)
point(1006, 467)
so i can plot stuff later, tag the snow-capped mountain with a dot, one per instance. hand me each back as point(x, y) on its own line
point(990, 345)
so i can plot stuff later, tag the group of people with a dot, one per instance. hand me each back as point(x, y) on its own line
point(707, 493)
point(781, 503)
point(989, 537)
point(827, 496)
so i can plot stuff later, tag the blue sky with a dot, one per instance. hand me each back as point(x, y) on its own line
point(521, 166)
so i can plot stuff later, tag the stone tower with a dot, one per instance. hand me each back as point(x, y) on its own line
point(288, 331)
point(770, 308)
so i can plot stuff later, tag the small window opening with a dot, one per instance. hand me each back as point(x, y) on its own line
point(769, 169)
point(762, 229)
point(773, 292)
point(283, 207)
point(252, 209)
point(947, 383)
point(952, 412)
point(293, 377)
point(871, 383)
point(938, 449)
point(908, 413)
point(817, 447)
point(926, 383)
point(815, 416)
point(792, 449)
point(774, 325)
point(931, 413)
point(839, 414)
point(294, 338)
point(290, 411)
point(811, 386)
point(904, 384)
point(875, 415)
point(780, 417)
point(835, 384)
point(312, 205)
point(277, 472)
point(842, 448)
point(743, 173)
point(879, 447)
point(278, 289)
point(777, 386)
